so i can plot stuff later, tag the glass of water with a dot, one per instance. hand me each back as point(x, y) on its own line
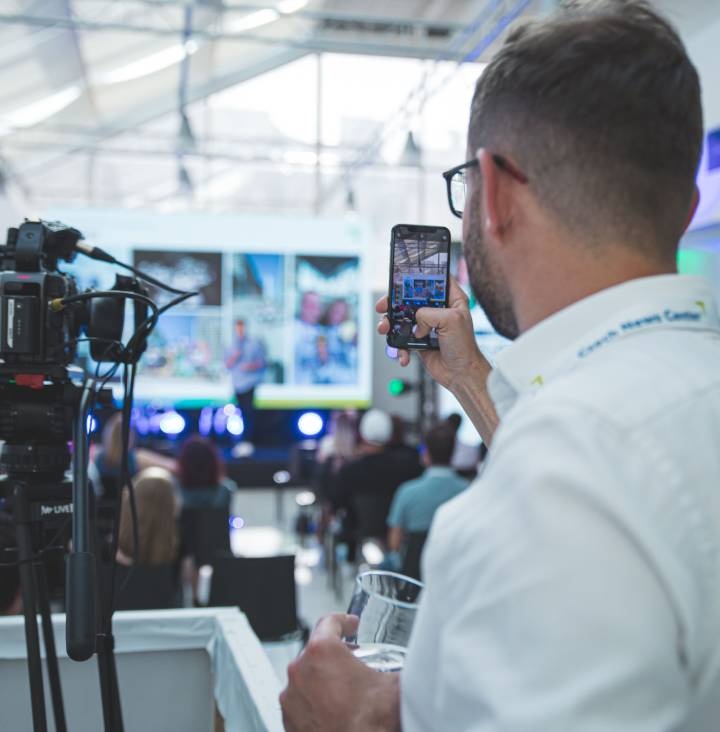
point(386, 604)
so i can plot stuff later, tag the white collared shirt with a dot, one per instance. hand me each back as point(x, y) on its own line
point(575, 587)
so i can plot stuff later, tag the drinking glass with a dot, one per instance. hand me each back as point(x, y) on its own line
point(386, 604)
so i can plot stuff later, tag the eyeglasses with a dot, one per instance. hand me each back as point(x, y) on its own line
point(456, 180)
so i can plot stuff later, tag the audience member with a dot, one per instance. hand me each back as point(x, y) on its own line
point(335, 450)
point(466, 458)
point(157, 514)
point(366, 485)
point(10, 598)
point(416, 501)
point(201, 472)
point(106, 461)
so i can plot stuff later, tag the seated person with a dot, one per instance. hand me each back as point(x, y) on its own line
point(10, 598)
point(105, 466)
point(153, 582)
point(203, 483)
point(366, 485)
point(416, 501)
point(157, 513)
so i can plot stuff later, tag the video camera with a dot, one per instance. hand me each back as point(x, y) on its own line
point(41, 312)
point(45, 404)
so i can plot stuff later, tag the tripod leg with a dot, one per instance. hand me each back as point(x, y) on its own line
point(50, 653)
point(105, 647)
point(32, 638)
point(112, 711)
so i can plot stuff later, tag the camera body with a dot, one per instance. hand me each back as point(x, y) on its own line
point(31, 333)
point(38, 334)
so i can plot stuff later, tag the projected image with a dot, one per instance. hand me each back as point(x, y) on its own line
point(258, 299)
point(185, 346)
point(183, 270)
point(326, 320)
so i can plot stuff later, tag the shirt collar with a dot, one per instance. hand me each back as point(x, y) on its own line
point(557, 341)
point(439, 470)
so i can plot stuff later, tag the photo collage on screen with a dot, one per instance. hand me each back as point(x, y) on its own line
point(187, 341)
point(300, 310)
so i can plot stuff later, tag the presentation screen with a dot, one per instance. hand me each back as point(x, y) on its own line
point(296, 286)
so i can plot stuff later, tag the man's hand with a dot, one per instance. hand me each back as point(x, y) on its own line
point(330, 690)
point(458, 357)
point(458, 365)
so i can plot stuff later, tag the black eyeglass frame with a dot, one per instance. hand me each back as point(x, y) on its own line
point(499, 160)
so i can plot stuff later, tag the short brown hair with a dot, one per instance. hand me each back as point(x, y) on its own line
point(440, 443)
point(601, 107)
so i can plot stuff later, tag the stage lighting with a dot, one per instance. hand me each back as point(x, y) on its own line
point(205, 421)
point(219, 421)
point(281, 477)
point(235, 424)
point(310, 424)
point(172, 423)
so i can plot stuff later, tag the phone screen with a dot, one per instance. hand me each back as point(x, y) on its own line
point(419, 271)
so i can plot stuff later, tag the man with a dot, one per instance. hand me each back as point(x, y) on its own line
point(367, 484)
point(246, 362)
point(416, 501)
point(582, 595)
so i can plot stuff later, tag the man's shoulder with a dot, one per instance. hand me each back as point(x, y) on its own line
point(634, 379)
point(411, 488)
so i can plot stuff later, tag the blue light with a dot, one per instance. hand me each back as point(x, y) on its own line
point(219, 421)
point(91, 425)
point(235, 424)
point(236, 522)
point(205, 421)
point(310, 424)
point(172, 423)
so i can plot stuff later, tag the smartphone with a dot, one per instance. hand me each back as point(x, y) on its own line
point(419, 278)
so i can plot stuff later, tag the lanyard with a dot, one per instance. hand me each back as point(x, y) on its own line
point(675, 314)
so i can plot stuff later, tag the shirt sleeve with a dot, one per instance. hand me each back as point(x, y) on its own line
point(553, 614)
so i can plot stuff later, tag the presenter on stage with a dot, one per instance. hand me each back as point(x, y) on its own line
point(246, 361)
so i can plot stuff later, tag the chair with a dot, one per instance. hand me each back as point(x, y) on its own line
point(146, 587)
point(414, 543)
point(371, 510)
point(264, 589)
point(205, 533)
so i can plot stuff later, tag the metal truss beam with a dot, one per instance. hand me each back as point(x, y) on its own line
point(309, 45)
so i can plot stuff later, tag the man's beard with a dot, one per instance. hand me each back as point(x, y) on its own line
point(488, 283)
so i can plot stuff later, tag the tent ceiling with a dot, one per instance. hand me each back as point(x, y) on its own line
point(91, 86)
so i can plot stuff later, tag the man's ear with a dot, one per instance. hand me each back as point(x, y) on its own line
point(492, 205)
point(694, 203)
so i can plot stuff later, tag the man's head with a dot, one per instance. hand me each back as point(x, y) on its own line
point(599, 107)
point(240, 329)
point(440, 444)
point(310, 308)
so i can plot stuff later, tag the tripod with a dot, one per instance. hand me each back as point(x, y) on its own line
point(35, 597)
point(38, 424)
